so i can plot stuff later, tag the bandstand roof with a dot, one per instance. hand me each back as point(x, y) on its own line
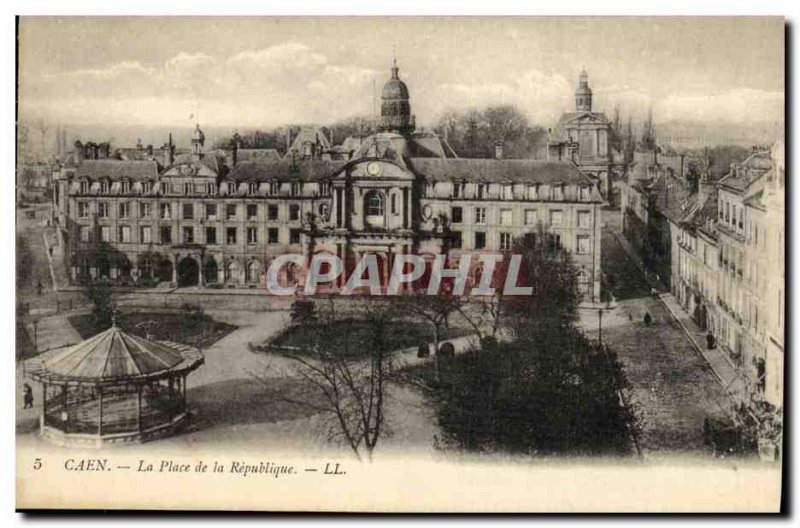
point(113, 356)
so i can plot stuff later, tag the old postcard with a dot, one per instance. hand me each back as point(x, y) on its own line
point(400, 264)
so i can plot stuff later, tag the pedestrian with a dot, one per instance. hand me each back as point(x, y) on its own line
point(647, 318)
point(27, 396)
point(710, 341)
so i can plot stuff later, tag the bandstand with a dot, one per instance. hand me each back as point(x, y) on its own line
point(113, 388)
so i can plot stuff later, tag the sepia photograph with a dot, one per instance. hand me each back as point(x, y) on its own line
point(400, 264)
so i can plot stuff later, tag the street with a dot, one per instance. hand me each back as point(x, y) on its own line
point(672, 386)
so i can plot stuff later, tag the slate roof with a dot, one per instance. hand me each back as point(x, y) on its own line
point(117, 170)
point(284, 170)
point(704, 216)
point(504, 170)
point(245, 154)
point(749, 171)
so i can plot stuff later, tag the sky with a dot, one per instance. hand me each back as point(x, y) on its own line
point(263, 72)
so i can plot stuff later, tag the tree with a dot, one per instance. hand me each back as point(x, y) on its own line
point(349, 390)
point(649, 132)
point(100, 295)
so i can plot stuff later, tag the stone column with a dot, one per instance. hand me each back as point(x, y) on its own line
point(200, 274)
point(174, 270)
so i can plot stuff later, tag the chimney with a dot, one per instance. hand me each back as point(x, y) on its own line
point(169, 152)
point(237, 144)
point(150, 151)
point(498, 150)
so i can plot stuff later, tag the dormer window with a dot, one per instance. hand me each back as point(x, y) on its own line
point(458, 189)
point(125, 186)
point(85, 184)
point(104, 186)
point(252, 188)
point(295, 188)
point(325, 188)
point(586, 194)
point(211, 189)
point(533, 191)
point(188, 188)
point(508, 192)
point(558, 192)
point(147, 187)
point(481, 191)
point(274, 187)
point(430, 189)
point(229, 187)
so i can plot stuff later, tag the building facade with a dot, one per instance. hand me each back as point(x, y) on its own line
point(194, 219)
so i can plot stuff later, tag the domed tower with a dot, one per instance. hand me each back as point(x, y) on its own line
point(583, 94)
point(198, 140)
point(395, 105)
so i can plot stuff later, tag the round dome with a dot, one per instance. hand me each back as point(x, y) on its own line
point(395, 89)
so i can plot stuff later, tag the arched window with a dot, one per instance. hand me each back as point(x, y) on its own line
point(232, 271)
point(374, 206)
point(373, 203)
point(252, 188)
point(252, 271)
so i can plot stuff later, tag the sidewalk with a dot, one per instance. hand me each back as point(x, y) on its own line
point(730, 379)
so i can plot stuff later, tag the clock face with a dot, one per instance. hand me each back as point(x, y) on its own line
point(374, 169)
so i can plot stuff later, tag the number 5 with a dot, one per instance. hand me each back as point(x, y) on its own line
point(37, 464)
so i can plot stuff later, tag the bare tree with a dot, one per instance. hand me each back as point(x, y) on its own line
point(348, 382)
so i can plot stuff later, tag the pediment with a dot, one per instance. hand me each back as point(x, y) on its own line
point(379, 169)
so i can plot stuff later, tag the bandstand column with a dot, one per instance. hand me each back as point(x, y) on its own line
point(139, 408)
point(100, 419)
point(44, 403)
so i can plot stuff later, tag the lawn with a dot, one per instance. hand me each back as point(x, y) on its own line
point(354, 336)
point(199, 330)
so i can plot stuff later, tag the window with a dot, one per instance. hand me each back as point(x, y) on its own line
point(272, 212)
point(394, 203)
point(457, 215)
point(125, 186)
point(533, 191)
point(104, 187)
point(373, 203)
point(252, 188)
point(585, 194)
point(252, 272)
point(323, 210)
point(188, 211)
point(211, 235)
point(558, 192)
point(124, 234)
point(102, 209)
point(252, 211)
point(458, 190)
point(83, 210)
point(144, 210)
point(230, 187)
point(457, 239)
point(211, 211)
point(85, 184)
point(583, 281)
point(294, 236)
point(147, 187)
point(272, 235)
point(188, 235)
point(481, 191)
point(584, 219)
point(230, 235)
point(165, 212)
point(145, 235)
point(188, 188)
point(274, 187)
point(583, 245)
point(508, 192)
point(294, 212)
point(105, 234)
point(166, 235)
point(325, 188)
point(530, 217)
point(556, 218)
point(505, 241)
point(85, 234)
point(295, 188)
point(480, 240)
point(252, 235)
point(480, 215)
point(506, 217)
point(230, 211)
point(211, 189)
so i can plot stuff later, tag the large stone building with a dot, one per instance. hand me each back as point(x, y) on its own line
point(194, 219)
